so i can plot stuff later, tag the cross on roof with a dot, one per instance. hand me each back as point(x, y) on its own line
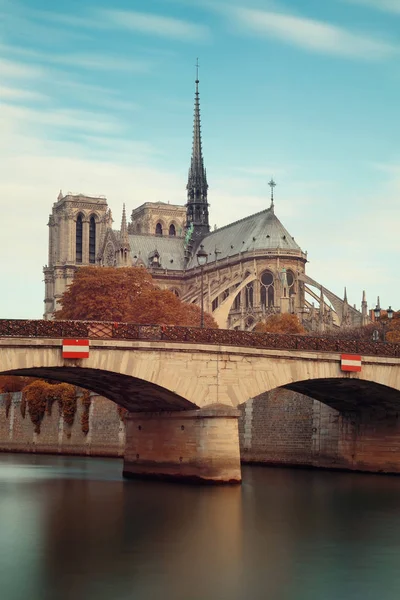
point(272, 184)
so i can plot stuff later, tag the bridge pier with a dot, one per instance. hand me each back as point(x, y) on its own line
point(196, 446)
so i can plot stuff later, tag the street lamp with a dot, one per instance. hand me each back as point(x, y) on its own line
point(202, 258)
point(385, 324)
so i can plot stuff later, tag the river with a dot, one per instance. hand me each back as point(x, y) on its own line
point(72, 528)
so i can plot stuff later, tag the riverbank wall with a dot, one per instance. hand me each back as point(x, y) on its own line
point(98, 432)
point(281, 428)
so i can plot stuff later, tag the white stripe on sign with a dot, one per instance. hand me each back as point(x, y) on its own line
point(82, 349)
point(354, 363)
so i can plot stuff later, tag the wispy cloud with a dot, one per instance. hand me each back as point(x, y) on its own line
point(156, 25)
point(146, 23)
point(390, 6)
point(16, 70)
point(80, 120)
point(13, 93)
point(312, 35)
point(96, 61)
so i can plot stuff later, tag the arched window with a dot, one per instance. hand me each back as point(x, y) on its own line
point(290, 280)
point(158, 229)
point(267, 292)
point(236, 302)
point(249, 295)
point(78, 242)
point(92, 240)
point(172, 230)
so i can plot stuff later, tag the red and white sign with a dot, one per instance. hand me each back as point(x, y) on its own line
point(350, 362)
point(75, 348)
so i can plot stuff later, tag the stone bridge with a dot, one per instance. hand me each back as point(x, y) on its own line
point(175, 371)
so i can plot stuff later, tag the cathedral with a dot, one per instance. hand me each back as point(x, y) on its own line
point(253, 267)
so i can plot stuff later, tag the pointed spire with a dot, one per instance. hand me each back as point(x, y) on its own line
point(272, 185)
point(197, 186)
point(124, 230)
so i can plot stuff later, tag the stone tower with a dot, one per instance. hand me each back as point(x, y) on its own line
point(76, 226)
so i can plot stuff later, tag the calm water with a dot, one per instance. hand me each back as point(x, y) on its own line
point(71, 528)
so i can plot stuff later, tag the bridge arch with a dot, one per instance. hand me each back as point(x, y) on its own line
point(134, 394)
point(158, 374)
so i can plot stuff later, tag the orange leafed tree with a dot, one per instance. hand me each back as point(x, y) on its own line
point(285, 323)
point(125, 294)
point(12, 383)
point(393, 334)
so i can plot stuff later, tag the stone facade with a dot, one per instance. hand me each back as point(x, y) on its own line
point(158, 218)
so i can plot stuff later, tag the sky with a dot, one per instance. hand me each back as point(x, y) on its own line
point(97, 98)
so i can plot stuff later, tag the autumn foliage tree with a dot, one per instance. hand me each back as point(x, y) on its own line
point(127, 294)
point(12, 383)
point(393, 332)
point(283, 323)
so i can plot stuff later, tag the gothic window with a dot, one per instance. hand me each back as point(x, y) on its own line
point(214, 304)
point(267, 292)
point(92, 240)
point(249, 295)
point(172, 230)
point(158, 229)
point(290, 280)
point(78, 243)
point(236, 302)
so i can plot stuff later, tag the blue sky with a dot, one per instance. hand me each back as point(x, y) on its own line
point(97, 97)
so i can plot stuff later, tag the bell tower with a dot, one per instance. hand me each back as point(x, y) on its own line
point(76, 226)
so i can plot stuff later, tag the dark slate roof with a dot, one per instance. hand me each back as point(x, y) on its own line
point(169, 249)
point(261, 231)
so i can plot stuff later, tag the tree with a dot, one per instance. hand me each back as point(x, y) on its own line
point(125, 294)
point(284, 323)
point(393, 333)
point(13, 383)
point(366, 332)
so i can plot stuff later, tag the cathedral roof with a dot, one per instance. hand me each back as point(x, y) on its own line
point(261, 231)
point(170, 250)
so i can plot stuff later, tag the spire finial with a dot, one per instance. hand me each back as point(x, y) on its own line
point(197, 70)
point(272, 184)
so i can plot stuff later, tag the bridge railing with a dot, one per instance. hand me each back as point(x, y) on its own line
point(223, 337)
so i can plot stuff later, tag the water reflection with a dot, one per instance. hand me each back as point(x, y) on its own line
point(72, 528)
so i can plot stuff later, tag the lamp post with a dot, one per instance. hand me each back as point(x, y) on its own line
point(377, 313)
point(202, 258)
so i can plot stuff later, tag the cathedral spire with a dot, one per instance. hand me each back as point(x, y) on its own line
point(197, 204)
point(124, 230)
